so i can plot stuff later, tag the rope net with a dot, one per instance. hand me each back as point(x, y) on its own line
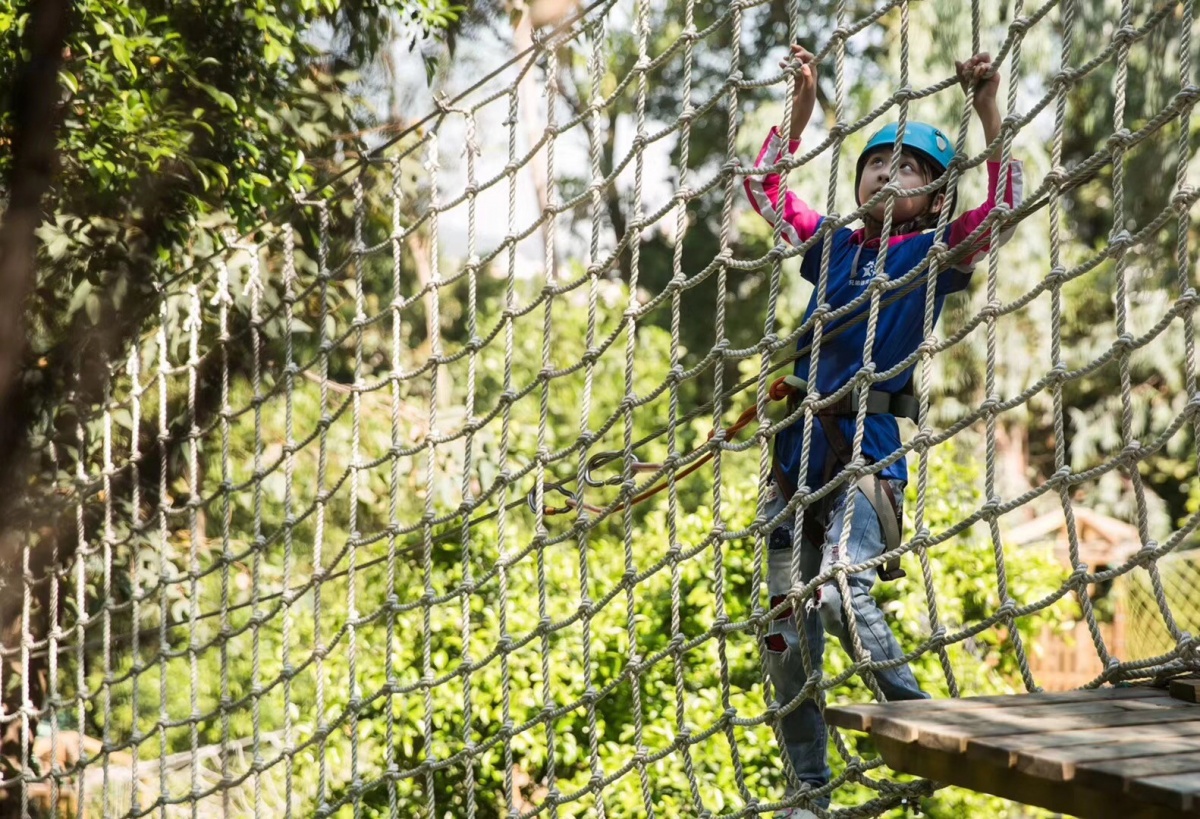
point(344, 543)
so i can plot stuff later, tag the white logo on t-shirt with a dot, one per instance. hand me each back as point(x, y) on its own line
point(864, 275)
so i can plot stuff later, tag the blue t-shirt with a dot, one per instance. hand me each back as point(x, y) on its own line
point(898, 334)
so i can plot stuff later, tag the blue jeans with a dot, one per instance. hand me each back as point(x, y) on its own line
point(803, 729)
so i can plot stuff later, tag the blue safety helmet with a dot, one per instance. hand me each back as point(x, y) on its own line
point(919, 137)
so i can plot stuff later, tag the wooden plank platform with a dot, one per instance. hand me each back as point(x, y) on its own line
point(1112, 753)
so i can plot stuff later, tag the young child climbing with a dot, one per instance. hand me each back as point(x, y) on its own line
point(875, 518)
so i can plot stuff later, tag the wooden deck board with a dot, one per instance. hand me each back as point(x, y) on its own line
point(1117, 775)
point(953, 735)
point(1002, 750)
point(1177, 791)
point(1126, 753)
point(857, 717)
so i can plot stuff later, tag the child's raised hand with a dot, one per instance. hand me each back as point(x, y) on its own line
point(803, 65)
point(974, 74)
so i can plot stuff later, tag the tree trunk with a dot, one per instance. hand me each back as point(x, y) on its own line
point(1012, 447)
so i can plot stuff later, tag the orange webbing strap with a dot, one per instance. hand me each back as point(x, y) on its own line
point(780, 390)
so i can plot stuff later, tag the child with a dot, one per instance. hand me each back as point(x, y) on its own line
point(874, 523)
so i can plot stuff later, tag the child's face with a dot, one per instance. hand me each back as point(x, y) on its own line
point(876, 173)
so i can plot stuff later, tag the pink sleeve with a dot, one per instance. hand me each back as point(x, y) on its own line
point(964, 225)
point(799, 220)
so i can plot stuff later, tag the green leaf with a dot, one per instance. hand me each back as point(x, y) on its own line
point(220, 97)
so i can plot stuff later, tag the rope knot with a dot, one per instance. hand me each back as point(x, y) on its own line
point(1124, 343)
point(1125, 35)
point(1182, 200)
point(1121, 138)
point(1187, 643)
point(1020, 25)
point(923, 439)
point(1132, 452)
point(1061, 476)
point(1061, 81)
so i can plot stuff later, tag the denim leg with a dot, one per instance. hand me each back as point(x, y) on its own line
point(803, 728)
point(864, 542)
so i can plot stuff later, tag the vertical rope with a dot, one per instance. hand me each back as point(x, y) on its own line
point(289, 523)
point(992, 399)
point(634, 226)
point(596, 73)
point(720, 618)
point(254, 286)
point(921, 533)
point(354, 703)
point(1062, 469)
point(1183, 224)
point(108, 536)
point(761, 397)
point(678, 279)
point(322, 498)
point(864, 377)
point(433, 322)
point(224, 299)
point(396, 377)
point(550, 264)
point(1121, 239)
point(27, 708)
point(54, 703)
point(164, 577)
point(468, 473)
point(502, 535)
point(194, 325)
point(133, 369)
point(81, 608)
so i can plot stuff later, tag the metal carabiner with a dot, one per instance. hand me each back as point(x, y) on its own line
point(602, 459)
point(547, 488)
